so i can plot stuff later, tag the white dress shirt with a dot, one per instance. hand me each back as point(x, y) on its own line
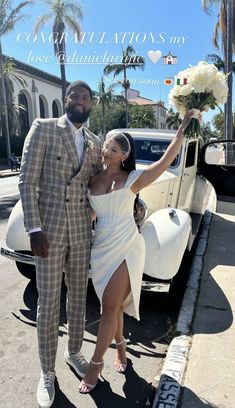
point(78, 138)
point(78, 135)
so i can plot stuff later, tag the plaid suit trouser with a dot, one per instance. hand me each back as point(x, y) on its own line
point(74, 261)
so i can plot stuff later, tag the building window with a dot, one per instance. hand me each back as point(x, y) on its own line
point(24, 116)
point(42, 108)
point(55, 111)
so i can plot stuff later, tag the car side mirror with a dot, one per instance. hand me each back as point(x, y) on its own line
point(220, 153)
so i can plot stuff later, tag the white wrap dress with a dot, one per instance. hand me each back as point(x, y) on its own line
point(117, 239)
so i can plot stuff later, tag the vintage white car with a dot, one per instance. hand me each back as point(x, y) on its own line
point(170, 214)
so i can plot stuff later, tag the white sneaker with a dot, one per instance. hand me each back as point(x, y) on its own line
point(46, 390)
point(77, 361)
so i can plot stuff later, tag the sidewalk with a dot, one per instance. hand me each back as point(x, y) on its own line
point(210, 374)
point(5, 171)
point(200, 367)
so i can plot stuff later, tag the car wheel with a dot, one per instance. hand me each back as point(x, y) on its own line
point(26, 270)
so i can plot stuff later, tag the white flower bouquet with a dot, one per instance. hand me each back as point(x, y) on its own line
point(201, 87)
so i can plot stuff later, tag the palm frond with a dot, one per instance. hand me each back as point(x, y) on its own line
point(215, 38)
point(208, 4)
point(129, 50)
point(9, 17)
point(113, 68)
point(217, 61)
point(42, 20)
point(73, 25)
point(13, 74)
point(73, 9)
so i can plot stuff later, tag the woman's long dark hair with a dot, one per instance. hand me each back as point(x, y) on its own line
point(129, 164)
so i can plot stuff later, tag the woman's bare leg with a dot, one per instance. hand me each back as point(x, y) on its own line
point(120, 357)
point(119, 332)
point(114, 295)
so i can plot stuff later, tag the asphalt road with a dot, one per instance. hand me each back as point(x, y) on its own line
point(9, 186)
point(147, 341)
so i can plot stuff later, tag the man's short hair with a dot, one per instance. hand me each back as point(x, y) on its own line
point(76, 84)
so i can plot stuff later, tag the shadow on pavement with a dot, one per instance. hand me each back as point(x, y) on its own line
point(137, 332)
point(191, 400)
point(61, 401)
point(137, 393)
point(213, 306)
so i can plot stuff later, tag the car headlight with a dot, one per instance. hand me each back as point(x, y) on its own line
point(141, 212)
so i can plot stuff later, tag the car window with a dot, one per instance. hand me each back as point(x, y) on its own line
point(191, 156)
point(152, 150)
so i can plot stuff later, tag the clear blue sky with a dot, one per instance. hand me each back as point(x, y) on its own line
point(178, 26)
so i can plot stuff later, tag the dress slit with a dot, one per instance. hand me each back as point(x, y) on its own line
point(130, 300)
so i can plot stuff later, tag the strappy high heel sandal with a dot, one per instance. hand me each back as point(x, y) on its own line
point(121, 367)
point(85, 388)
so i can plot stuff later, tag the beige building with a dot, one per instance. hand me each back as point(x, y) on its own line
point(159, 109)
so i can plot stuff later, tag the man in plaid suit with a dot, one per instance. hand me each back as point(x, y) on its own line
point(60, 155)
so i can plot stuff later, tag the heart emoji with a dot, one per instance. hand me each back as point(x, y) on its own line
point(154, 56)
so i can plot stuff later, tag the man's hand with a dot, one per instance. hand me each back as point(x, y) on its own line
point(39, 244)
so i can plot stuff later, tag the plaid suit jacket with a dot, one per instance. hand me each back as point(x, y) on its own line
point(53, 184)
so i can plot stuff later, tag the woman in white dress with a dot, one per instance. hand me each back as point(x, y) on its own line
point(117, 254)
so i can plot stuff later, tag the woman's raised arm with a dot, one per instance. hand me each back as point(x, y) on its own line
point(157, 168)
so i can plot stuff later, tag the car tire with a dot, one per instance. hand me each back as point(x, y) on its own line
point(27, 270)
point(179, 282)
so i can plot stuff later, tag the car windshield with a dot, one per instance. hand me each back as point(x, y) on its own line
point(152, 150)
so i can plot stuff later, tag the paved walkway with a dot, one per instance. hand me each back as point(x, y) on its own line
point(199, 370)
point(210, 374)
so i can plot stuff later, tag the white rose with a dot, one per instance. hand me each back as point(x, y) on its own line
point(186, 89)
point(220, 93)
point(175, 91)
point(202, 76)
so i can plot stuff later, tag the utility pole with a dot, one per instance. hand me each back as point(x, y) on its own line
point(229, 70)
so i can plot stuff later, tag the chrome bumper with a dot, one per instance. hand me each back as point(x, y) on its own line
point(30, 259)
point(17, 256)
point(155, 286)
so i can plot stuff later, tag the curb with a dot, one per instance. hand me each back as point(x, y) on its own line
point(8, 174)
point(169, 388)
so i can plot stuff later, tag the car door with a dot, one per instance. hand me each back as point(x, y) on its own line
point(188, 176)
point(217, 164)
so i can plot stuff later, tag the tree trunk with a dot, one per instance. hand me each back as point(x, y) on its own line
point(126, 101)
point(62, 71)
point(229, 70)
point(4, 103)
point(103, 121)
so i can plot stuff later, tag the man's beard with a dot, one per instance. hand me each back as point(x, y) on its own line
point(76, 116)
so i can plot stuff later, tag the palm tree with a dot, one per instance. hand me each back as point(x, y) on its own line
point(11, 77)
point(129, 61)
point(226, 28)
point(218, 62)
point(9, 17)
point(221, 25)
point(103, 97)
point(173, 119)
point(64, 14)
point(142, 117)
point(218, 122)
